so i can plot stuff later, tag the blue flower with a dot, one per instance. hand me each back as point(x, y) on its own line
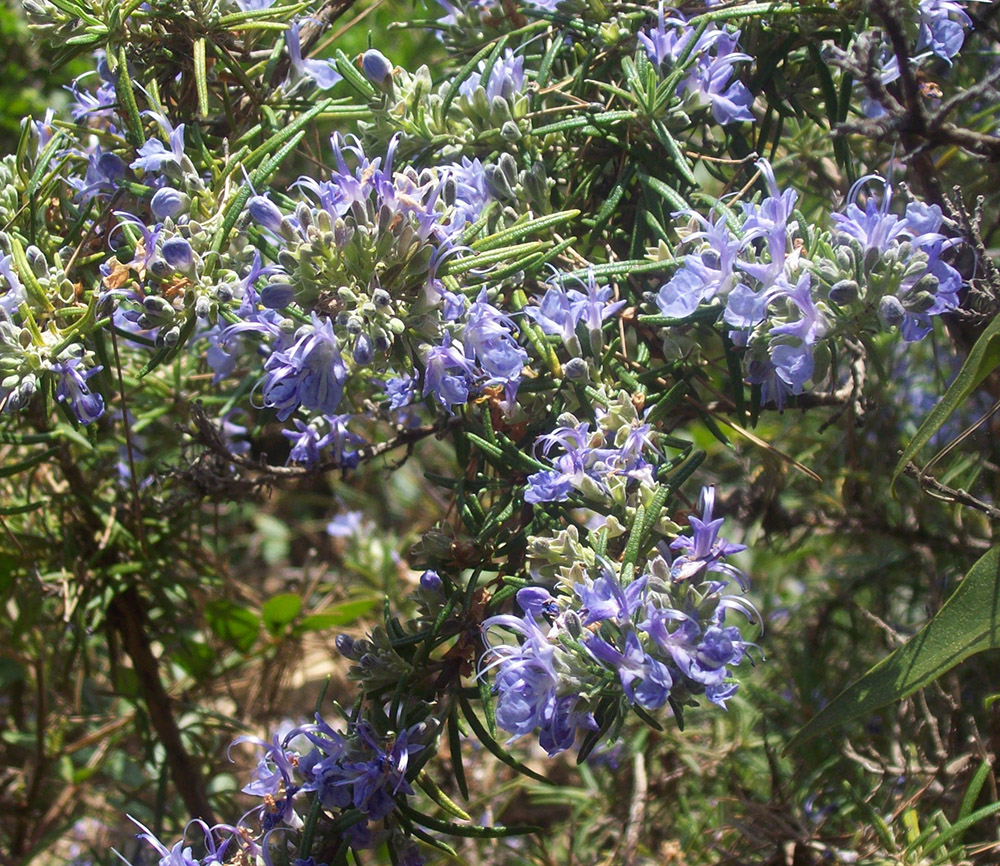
point(323, 72)
point(506, 78)
point(939, 32)
point(604, 598)
point(311, 373)
point(154, 157)
point(72, 388)
point(635, 664)
point(709, 81)
point(448, 373)
point(489, 339)
point(527, 687)
point(705, 551)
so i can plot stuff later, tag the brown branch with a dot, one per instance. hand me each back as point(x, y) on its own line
point(208, 435)
point(949, 494)
point(128, 617)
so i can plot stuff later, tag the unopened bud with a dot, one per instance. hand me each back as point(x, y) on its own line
point(168, 202)
point(376, 66)
point(265, 213)
point(891, 312)
point(844, 292)
point(178, 254)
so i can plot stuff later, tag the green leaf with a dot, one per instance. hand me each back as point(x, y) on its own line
point(968, 623)
point(201, 76)
point(470, 831)
point(983, 360)
point(340, 614)
point(279, 611)
point(236, 625)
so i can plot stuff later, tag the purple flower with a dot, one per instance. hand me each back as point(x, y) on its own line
point(448, 373)
point(154, 157)
point(939, 32)
point(705, 551)
point(635, 664)
point(875, 228)
point(489, 339)
point(181, 855)
point(13, 292)
point(465, 189)
point(105, 171)
point(323, 72)
point(382, 777)
point(345, 187)
point(506, 78)
point(72, 388)
point(709, 82)
point(402, 390)
point(526, 687)
point(604, 598)
point(311, 373)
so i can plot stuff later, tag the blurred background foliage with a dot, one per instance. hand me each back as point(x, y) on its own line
point(842, 573)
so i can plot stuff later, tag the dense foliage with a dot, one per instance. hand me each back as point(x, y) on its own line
point(497, 431)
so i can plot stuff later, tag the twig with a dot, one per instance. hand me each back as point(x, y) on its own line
point(949, 494)
point(208, 435)
point(129, 619)
point(637, 810)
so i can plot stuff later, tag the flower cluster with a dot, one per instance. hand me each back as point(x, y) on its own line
point(709, 61)
point(657, 636)
point(783, 287)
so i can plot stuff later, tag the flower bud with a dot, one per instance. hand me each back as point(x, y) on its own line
point(168, 202)
point(363, 353)
point(36, 259)
point(277, 296)
point(497, 183)
point(576, 370)
point(890, 311)
point(178, 254)
point(265, 213)
point(431, 581)
point(510, 131)
point(844, 292)
point(919, 302)
point(376, 66)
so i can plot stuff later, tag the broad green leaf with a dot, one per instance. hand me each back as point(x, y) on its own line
point(983, 360)
point(337, 615)
point(235, 625)
point(968, 623)
point(279, 611)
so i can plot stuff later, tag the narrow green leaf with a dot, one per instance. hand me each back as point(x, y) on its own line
point(133, 121)
point(519, 230)
point(983, 360)
point(968, 623)
point(481, 260)
point(469, 831)
point(455, 746)
point(201, 75)
point(601, 118)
